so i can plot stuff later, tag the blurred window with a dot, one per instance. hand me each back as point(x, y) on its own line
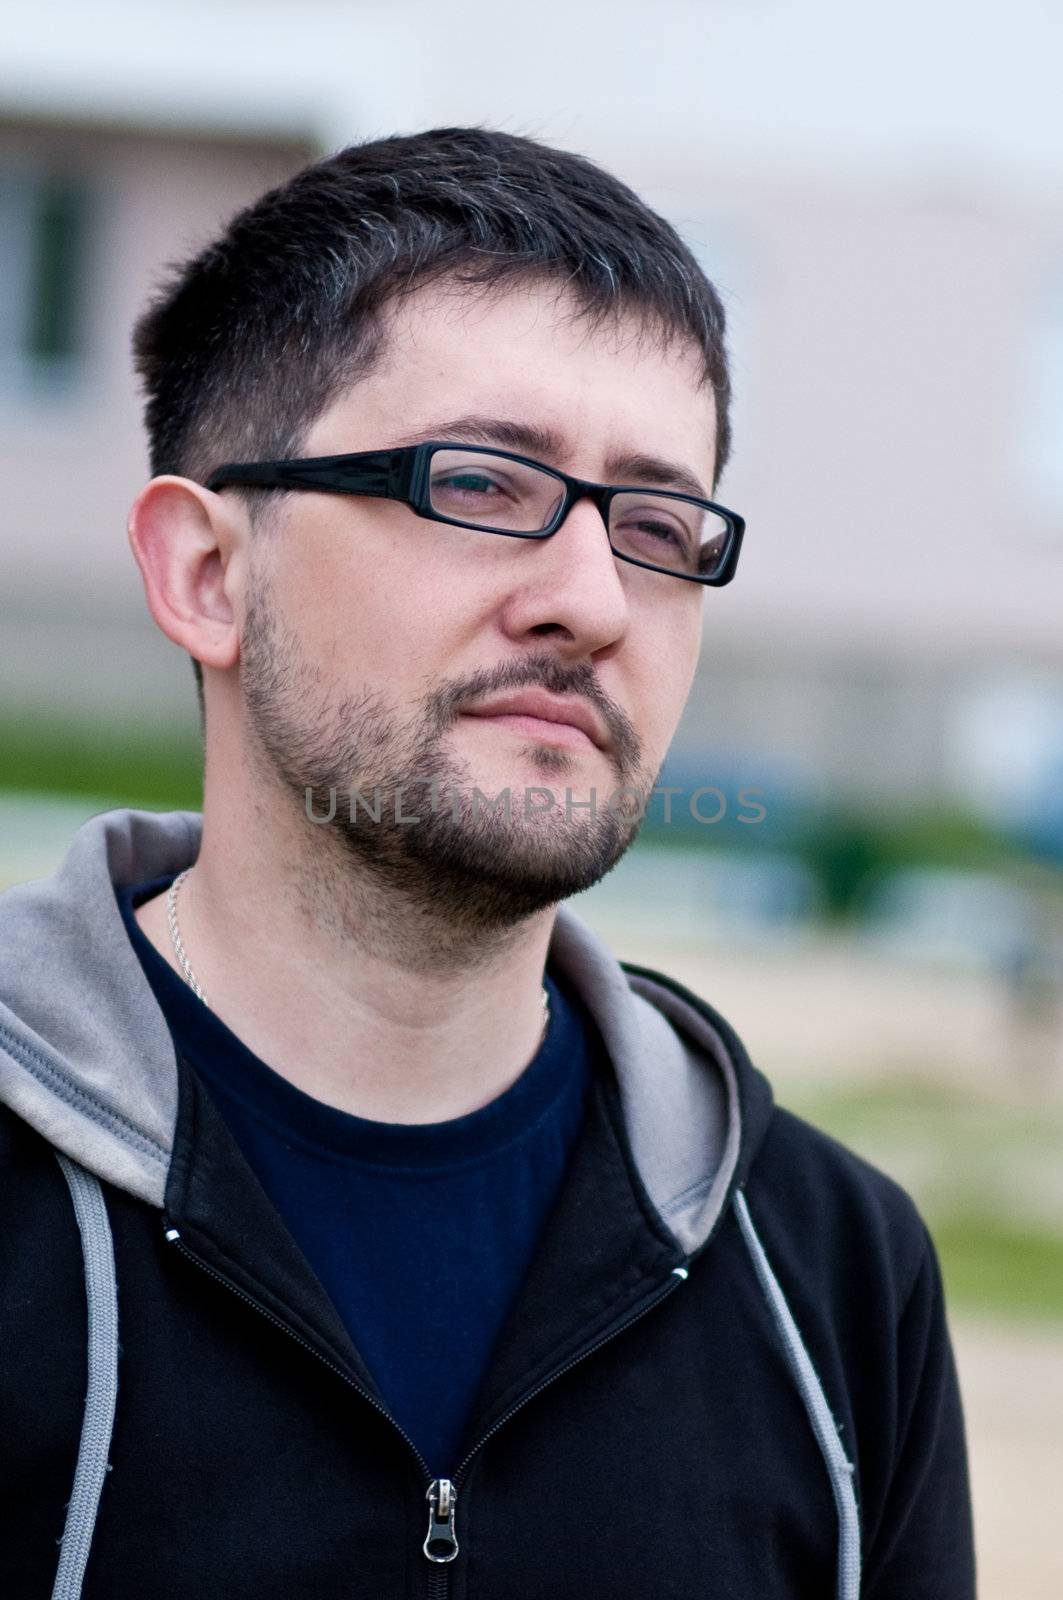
point(42, 272)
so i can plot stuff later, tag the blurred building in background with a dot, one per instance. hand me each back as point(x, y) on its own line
point(876, 191)
point(890, 251)
point(90, 215)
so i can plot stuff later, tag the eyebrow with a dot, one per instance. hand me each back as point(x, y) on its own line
point(550, 446)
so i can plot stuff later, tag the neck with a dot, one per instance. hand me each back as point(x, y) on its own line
point(345, 986)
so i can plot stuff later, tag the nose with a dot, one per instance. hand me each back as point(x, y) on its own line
point(569, 586)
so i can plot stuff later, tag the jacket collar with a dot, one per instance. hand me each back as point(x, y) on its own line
point(86, 1057)
point(603, 1254)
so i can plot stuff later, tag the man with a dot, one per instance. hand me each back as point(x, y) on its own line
point(369, 1231)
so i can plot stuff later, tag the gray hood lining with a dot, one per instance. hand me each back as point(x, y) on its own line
point(86, 1057)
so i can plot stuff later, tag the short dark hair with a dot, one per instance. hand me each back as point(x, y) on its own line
point(252, 339)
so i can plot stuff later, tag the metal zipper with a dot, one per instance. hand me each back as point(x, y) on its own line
point(173, 1236)
point(441, 1543)
point(438, 1584)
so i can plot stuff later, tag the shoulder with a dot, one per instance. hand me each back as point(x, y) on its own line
point(834, 1220)
point(27, 1161)
point(837, 1224)
point(39, 1241)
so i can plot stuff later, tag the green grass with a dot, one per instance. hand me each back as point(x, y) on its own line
point(153, 766)
point(985, 1173)
point(990, 1265)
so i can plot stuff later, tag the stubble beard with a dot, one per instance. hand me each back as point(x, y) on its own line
point(460, 863)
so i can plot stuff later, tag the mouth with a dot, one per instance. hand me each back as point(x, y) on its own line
point(559, 733)
point(551, 719)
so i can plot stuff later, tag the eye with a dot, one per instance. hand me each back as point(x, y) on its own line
point(657, 528)
point(465, 482)
point(651, 526)
point(489, 491)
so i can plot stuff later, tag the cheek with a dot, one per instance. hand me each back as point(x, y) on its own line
point(369, 616)
point(672, 662)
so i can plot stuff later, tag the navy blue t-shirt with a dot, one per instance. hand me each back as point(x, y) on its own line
point(421, 1233)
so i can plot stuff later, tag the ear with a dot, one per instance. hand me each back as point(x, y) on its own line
point(191, 548)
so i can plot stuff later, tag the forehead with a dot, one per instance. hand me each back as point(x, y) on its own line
point(527, 352)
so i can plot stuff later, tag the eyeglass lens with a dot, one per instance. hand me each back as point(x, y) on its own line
point(499, 495)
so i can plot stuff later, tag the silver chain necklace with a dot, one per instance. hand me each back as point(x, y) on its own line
point(190, 977)
point(175, 935)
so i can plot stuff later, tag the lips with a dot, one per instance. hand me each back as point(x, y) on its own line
point(541, 706)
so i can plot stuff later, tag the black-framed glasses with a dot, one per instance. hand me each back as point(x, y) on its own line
point(495, 491)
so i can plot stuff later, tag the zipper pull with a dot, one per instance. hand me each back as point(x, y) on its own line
point(441, 1543)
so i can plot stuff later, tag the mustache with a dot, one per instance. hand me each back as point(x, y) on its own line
point(543, 672)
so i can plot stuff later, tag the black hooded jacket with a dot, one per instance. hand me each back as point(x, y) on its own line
point(727, 1373)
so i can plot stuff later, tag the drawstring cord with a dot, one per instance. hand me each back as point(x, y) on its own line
point(840, 1469)
point(101, 1298)
point(101, 1295)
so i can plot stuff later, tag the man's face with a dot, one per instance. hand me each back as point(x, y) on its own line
point(375, 640)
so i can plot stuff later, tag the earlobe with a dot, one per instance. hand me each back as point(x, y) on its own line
point(184, 540)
